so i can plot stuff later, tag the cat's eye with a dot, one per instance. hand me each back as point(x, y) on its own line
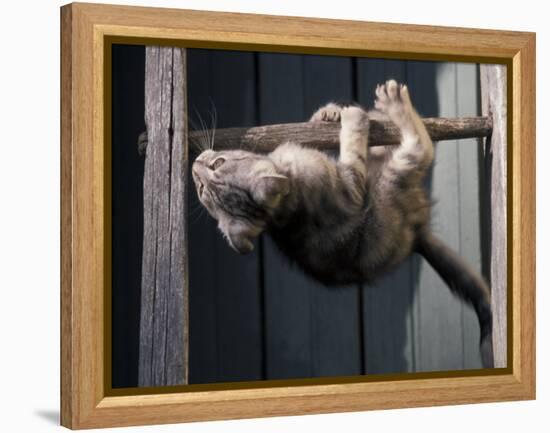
point(217, 163)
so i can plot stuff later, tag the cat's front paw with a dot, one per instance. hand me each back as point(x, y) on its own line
point(354, 118)
point(328, 113)
point(392, 99)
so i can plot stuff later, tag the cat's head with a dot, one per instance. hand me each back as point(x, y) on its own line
point(241, 190)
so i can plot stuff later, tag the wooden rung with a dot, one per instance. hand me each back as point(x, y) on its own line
point(325, 135)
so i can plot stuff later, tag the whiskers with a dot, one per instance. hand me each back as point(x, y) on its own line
point(196, 214)
point(205, 140)
point(196, 209)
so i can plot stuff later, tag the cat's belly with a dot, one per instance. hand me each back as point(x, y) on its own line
point(330, 263)
point(333, 261)
point(339, 269)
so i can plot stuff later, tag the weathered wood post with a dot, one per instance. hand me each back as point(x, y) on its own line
point(164, 314)
point(493, 100)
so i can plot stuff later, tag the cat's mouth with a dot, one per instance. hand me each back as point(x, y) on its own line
point(200, 188)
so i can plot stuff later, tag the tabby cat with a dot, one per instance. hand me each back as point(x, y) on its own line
point(346, 220)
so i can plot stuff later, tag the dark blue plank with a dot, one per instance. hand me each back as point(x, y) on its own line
point(335, 318)
point(225, 297)
point(438, 314)
point(203, 365)
point(470, 206)
point(287, 295)
point(387, 303)
point(128, 106)
point(311, 330)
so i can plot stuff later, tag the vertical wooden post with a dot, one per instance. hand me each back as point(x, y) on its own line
point(493, 98)
point(164, 283)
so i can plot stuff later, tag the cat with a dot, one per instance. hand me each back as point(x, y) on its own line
point(342, 220)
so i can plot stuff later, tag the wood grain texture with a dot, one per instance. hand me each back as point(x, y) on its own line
point(335, 350)
point(226, 320)
point(219, 405)
point(494, 104)
point(163, 324)
point(311, 331)
point(86, 398)
point(288, 312)
point(82, 176)
point(202, 283)
point(294, 34)
point(437, 327)
point(471, 205)
point(68, 396)
point(388, 338)
point(126, 180)
point(523, 175)
point(325, 135)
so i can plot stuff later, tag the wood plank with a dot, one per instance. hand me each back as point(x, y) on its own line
point(287, 292)
point(227, 82)
point(311, 330)
point(203, 349)
point(297, 34)
point(467, 84)
point(303, 400)
point(521, 174)
point(494, 102)
point(239, 316)
point(162, 355)
point(387, 304)
point(128, 106)
point(68, 410)
point(335, 320)
point(438, 331)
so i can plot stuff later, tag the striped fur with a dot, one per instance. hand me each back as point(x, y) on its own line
point(344, 220)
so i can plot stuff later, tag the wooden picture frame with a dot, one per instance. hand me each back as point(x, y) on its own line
point(87, 30)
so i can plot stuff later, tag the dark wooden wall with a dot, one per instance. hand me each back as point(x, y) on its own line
point(128, 102)
point(253, 317)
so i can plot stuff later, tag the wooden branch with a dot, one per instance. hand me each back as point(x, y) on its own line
point(324, 135)
point(164, 278)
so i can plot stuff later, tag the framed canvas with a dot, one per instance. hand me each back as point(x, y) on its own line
point(163, 322)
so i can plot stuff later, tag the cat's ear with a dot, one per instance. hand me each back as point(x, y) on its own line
point(270, 189)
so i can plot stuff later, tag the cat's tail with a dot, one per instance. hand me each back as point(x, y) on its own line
point(464, 282)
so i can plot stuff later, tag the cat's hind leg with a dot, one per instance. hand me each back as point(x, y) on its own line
point(415, 153)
